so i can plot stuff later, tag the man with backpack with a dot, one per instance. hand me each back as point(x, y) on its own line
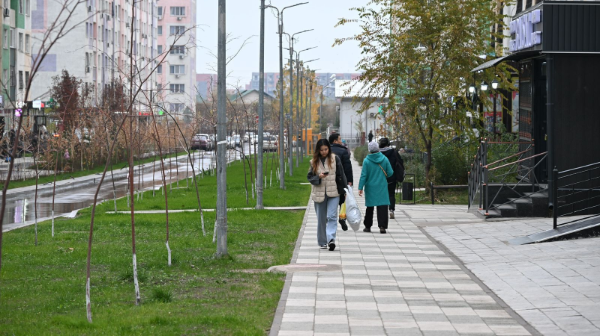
point(398, 167)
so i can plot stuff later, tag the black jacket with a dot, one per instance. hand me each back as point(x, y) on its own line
point(342, 153)
point(393, 158)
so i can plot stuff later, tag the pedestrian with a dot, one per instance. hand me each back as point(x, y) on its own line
point(326, 174)
point(375, 170)
point(395, 161)
point(370, 136)
point(340, 151)
point(345, 144)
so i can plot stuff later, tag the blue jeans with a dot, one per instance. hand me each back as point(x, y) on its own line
point(327, 215)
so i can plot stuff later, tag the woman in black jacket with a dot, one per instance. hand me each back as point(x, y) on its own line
point(393, 157)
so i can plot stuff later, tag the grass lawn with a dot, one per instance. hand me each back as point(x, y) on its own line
point(295, 194)
point(42, 288)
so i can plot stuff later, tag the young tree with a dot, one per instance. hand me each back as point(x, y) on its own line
point(419, 54)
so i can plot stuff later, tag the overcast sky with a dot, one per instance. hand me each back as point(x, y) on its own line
point(243, 21)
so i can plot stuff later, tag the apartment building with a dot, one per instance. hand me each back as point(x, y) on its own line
point(104, 39)
point(16, 56)
point(206, 87)
point(176, 39)
point(323, 79)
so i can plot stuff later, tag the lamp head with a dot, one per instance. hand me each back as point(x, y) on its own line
point(484, 86)
point(495, 84)
point(472, 88)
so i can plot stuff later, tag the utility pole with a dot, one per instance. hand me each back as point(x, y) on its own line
point(298, 99)
point(291, 120)
point(221, 130)
point(261, 97)
point(309, 117)
point(281, 102)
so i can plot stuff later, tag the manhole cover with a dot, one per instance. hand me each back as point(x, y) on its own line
point(292, 268)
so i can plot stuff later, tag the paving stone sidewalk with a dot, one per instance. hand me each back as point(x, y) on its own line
point(399, 283)
point(555, 286)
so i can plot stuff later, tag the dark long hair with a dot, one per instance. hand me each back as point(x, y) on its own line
point(317, 155)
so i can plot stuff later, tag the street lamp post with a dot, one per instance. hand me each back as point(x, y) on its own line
point(281, 145)
point(261, 97)
point(291, 122)
point(494, 88)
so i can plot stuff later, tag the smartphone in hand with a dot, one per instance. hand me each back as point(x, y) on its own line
point(325, 173)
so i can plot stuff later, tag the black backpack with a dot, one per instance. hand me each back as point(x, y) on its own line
point(399, 172)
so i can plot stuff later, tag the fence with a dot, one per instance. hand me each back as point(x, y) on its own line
point(511, 161)
point(576, 192)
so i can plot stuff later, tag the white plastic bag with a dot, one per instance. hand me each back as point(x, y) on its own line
point(353, 215)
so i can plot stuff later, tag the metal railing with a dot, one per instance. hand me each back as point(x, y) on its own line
point(511, 163)
point(576, 192)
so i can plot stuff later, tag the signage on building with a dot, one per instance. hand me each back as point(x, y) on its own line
point(523, 31)
point(38, 104)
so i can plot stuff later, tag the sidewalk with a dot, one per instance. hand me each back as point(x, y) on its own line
point(399, 283)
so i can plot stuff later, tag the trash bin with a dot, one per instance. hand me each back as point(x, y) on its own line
point(407, 191)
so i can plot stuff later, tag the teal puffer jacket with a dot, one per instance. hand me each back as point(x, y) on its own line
point(374, 181)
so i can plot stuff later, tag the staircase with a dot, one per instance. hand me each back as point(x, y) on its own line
point(531, 204)
point(507, 187)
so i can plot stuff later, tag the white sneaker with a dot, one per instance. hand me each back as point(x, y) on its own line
point(392, 215)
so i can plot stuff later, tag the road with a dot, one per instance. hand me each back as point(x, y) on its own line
point(20, 205)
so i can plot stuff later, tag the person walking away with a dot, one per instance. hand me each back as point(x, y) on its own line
point(326, 175)
point(398, 168)
point(340, 151)
point(370, 136)
point(347, 148)
point(373, 179)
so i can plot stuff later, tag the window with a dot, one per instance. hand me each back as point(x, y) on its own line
point(21, 7)
point(27, 7)
point(160, 49)
point(159, 30)
point(176, 107)
point(20, 80)
point(159, 69)
point(6, 40)
point(21, 42)
point(26, 77)
point(177, 11)
point(177, 30)
point(177, 69)
point(27, 46)
point(177, 88)
point(12, 38)
point(160, 11)
point(178, 50)
point(5, 76)
point(158, 87)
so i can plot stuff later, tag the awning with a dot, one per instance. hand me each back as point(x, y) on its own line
point(489, 64)
point(512, 57)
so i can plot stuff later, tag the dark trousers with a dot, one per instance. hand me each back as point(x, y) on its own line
point(382, 217)
point(392, 194)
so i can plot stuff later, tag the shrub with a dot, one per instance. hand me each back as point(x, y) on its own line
point(360, 153)
point(451, 161)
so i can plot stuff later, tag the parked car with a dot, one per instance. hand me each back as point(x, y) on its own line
point(201, 141)
point(237, 140)
point(269, 144)
point(230, 142)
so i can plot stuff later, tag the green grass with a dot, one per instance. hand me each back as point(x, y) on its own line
point(67, 175)
point(295, 194)
point(42, 288)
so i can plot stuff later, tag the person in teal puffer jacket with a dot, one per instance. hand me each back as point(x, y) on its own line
point(373, 178)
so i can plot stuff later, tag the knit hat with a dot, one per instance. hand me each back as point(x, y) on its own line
point(373, 147)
